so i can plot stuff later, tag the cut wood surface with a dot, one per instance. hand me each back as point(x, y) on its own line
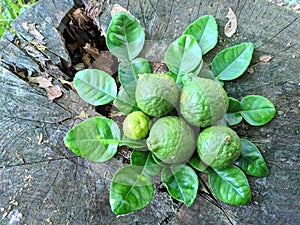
point(42, 182)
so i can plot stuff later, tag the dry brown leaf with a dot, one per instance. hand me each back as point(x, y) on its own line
point(117, 8)
point(79, 15)
point(94, 52)
point(35, 53)
point(105, 62)
point(231, 25)
point(296, 7)
point(86, 59)
point(63, 81)
point(31, 29)
point(42, 81)
point(265, 58)
point(93, 10)
point(53, 92)
point(250, 70)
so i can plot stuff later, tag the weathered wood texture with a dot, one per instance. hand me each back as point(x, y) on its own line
point(47, 184)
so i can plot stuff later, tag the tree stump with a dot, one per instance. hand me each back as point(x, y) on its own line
point(44, 183)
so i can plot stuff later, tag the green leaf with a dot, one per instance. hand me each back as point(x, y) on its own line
point(196, 162)
point(205, 30)
point(95, 86)
point(125, 36)
point(159, 162)
point(257, 110)
point(95, 139)
point(131, 189)
point(198, 68)
point(183, 55)
point(135, 144)
point(230, 185)
point(128, 73)
point(233, 116)
point(182, 183)
point(208, 74)
point(251, 160)
point(232, 62)
point(144, 159)
point(172, 75)
point(125, 102)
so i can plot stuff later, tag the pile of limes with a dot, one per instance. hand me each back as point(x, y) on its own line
point(200, 104)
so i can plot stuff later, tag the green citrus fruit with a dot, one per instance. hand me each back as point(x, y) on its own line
point(218, 146)
point(136, 125)
point(156, 94)
point(171, 140)
point(203, 102)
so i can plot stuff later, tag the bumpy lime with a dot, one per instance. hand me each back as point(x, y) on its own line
point(136, 125)
point(171, 140)
point(156, 94)
point(218, 146)
point(203, 102)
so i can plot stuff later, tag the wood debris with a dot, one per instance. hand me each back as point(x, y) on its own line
point(53, 91)
point(231, 25)
point(93, 10)
point(265, 58)
point(40, 138)
point(63, 81)
point(79, 15)
point(117, 8)
point(31, 29)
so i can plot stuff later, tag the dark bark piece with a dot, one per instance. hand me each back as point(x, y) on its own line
point(45, 182)
point(46, 18)
point(11, 55)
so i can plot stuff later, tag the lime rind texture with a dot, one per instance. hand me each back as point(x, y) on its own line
point(136, 125)
point(218, 146)
point(203, 102)
point(171, 140)
point(156, 94)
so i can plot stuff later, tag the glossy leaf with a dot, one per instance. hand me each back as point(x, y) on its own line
point(182, 183)
point(126, 102)
point(232, 62)
point(172, 75)
point(128, 73)
point(125, 36)
point(208, 74)
point(230, 185)
point(183, 55)
point(95, 139)
point(257, 110)
point(196, 162)
point(135, 144)
point(233, 116)
point(159, 162)
point(251, 160)
point(198, 68)
point(144, 159)
point(205, 30)
point(94, 86)
point(131, 189)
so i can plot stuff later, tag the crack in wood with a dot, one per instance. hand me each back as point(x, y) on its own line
point(170, 14)
point(277, 34)
point(213, 200)
point(40, 161)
